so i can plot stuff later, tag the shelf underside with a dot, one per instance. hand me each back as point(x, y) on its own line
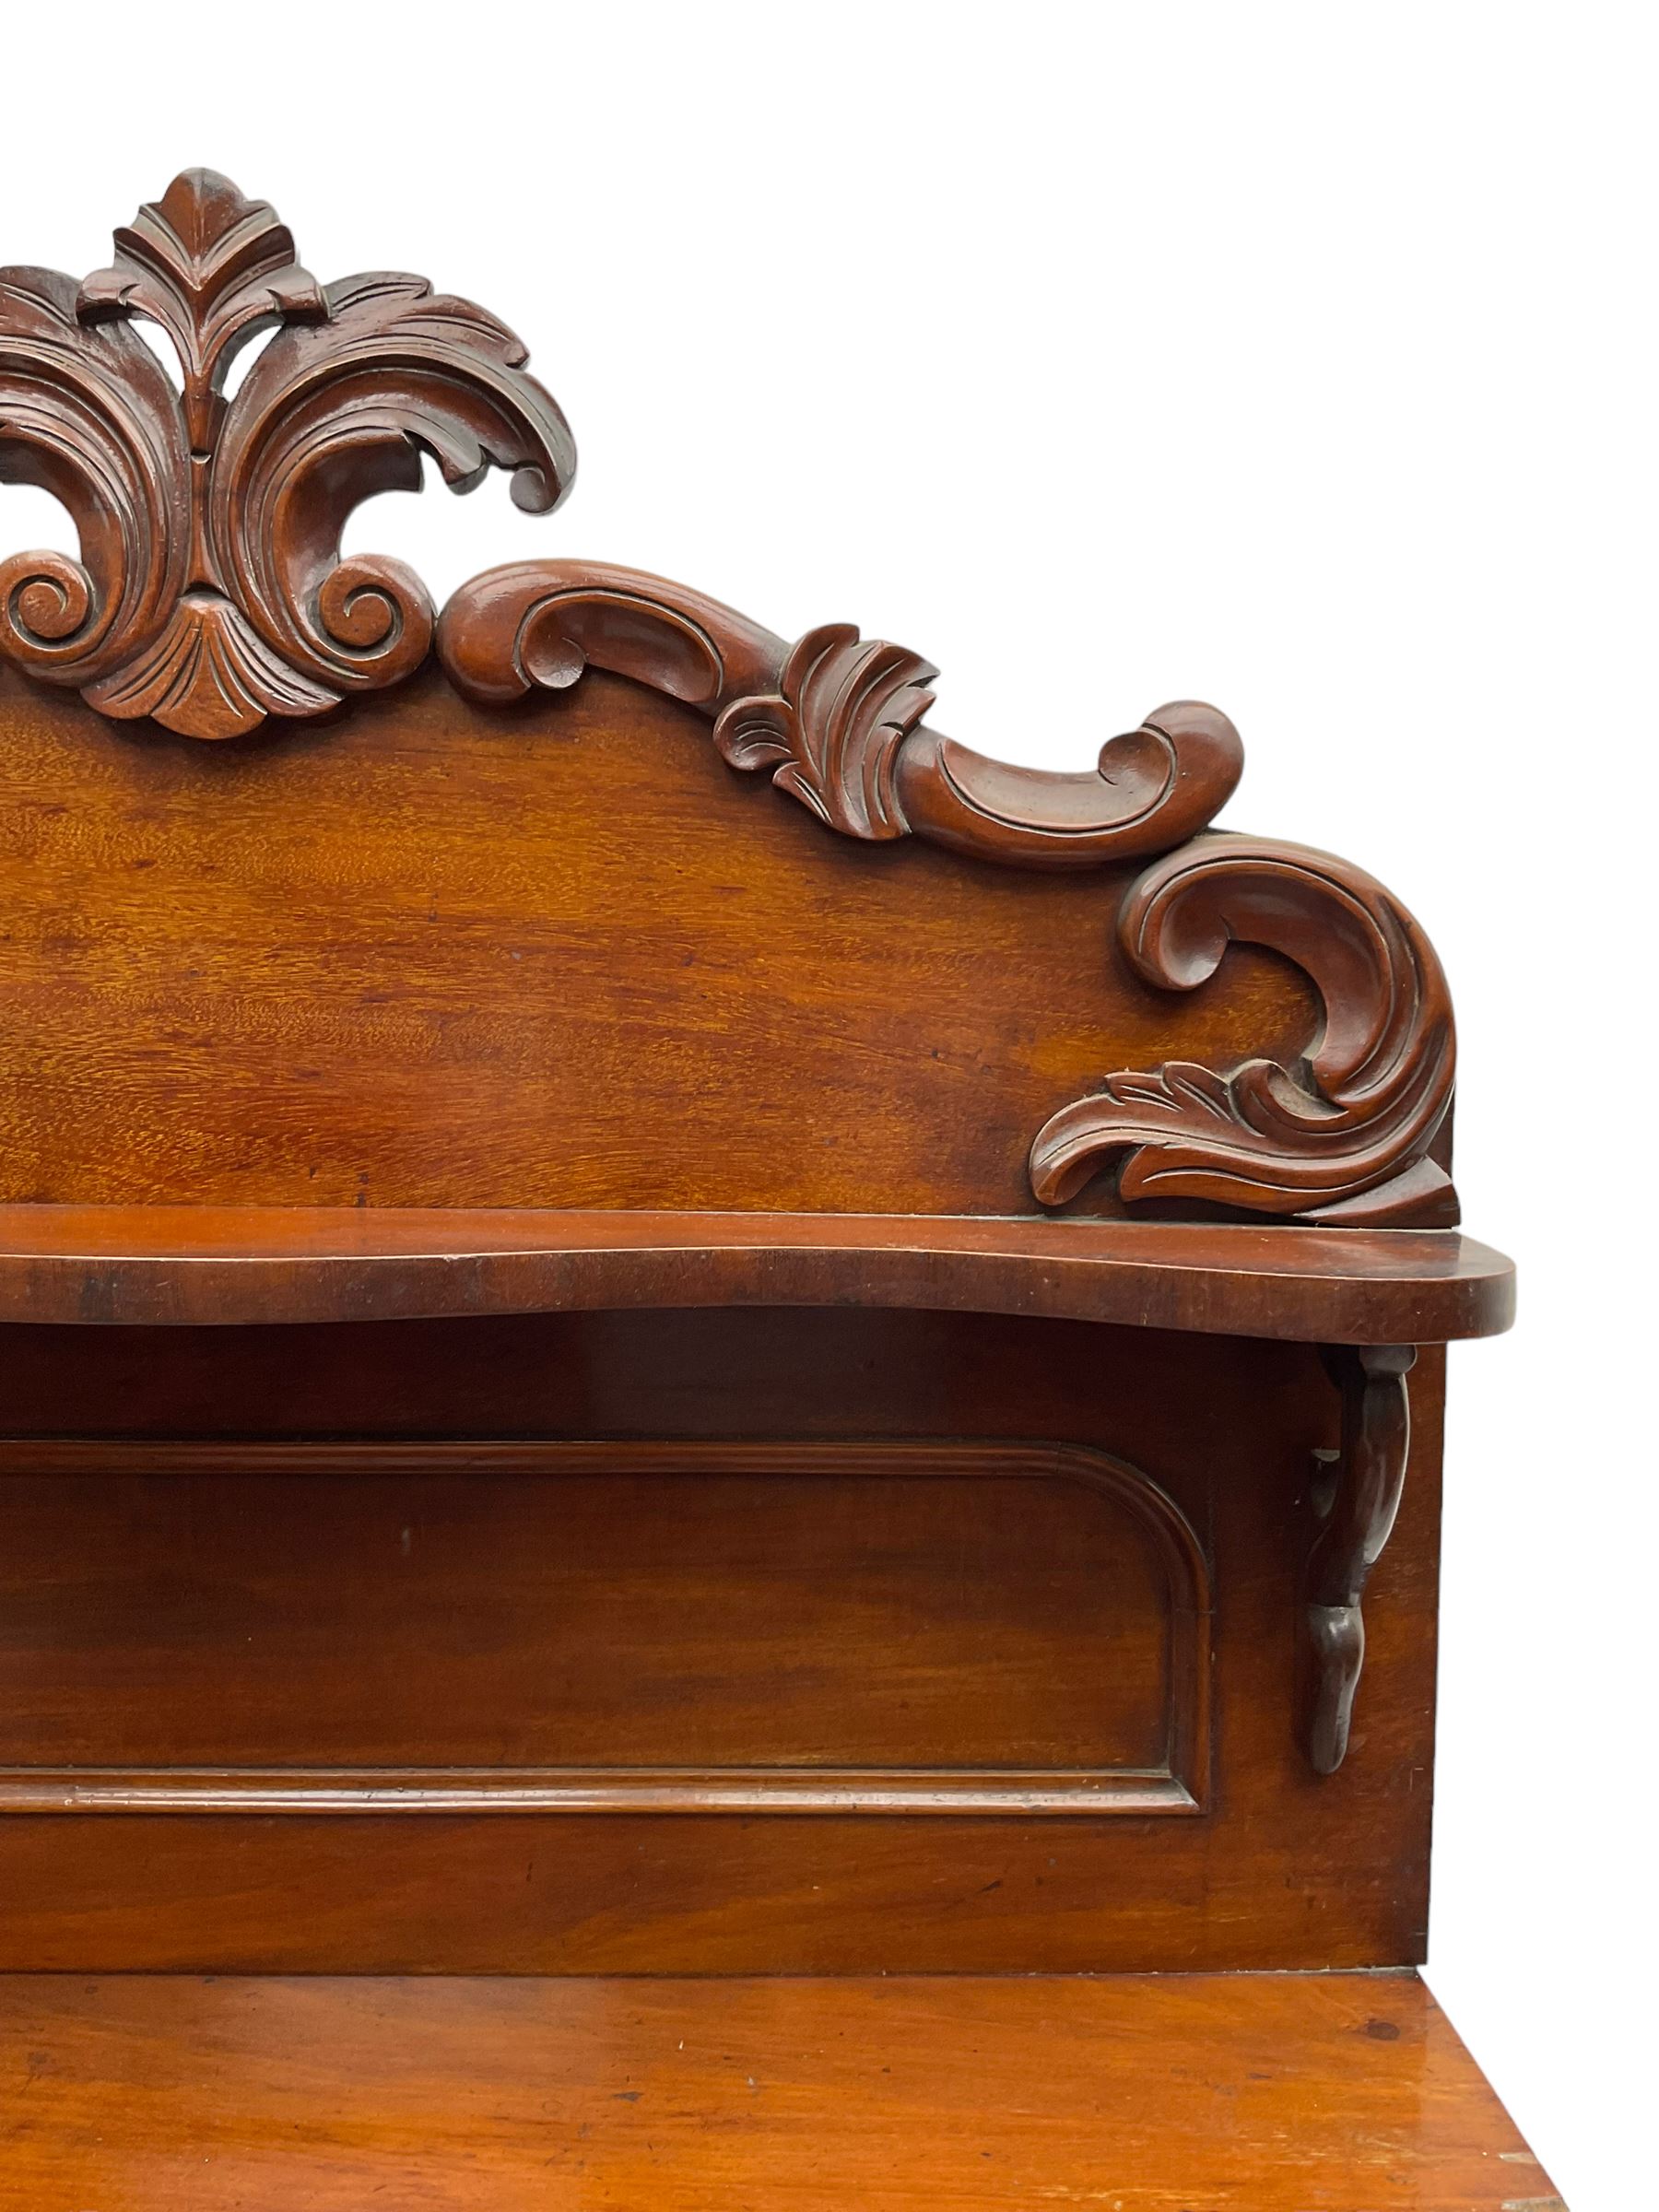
point(1241, 2093)
point(194, 1265)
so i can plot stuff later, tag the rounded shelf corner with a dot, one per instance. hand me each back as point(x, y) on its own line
point(212, 1265)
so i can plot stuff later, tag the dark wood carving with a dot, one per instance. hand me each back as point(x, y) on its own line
point(1356, 1500)
point(1345, 1138)
point(836, 719)
point(838, 722)
point(211, 591)
point(525, 1303)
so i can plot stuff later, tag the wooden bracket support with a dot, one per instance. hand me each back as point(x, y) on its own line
point(1355, 1498)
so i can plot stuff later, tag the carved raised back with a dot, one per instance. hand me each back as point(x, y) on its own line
point(557, 955)
point(529, 928)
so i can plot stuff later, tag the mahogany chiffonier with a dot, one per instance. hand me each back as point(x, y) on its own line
point(721, 1427)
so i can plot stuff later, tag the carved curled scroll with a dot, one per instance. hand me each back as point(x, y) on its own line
point(210, 591)
point(1345, 1137)
point(836, 719)
point(1356, 1502)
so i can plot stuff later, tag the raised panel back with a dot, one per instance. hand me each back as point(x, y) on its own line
point(555, 954)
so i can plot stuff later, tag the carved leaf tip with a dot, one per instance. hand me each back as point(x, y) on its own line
point(210, 676)
point(211, 590)
point(200, 208)
point(1344, 1134)
point(832, 731)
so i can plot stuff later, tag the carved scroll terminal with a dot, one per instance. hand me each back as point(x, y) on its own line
point(1343, 1139)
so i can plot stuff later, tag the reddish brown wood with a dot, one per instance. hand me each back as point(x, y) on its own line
point(211, 591)
point(1351, 1141)
point(572, 1344)
point(837, 719)
point(904, 1628)
point(205, 1265)
point(557, 955)
point(840, 730)
point(258, 1572)
point(1256, 2094)
point(211, 594)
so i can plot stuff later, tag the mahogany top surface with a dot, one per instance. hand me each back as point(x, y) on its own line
point(203, 1264)
point(1247, 2093)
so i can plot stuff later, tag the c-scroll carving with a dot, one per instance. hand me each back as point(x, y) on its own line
point(1343, 1139)
point(210, 591)
point(1356, 1500)
point(836, 719)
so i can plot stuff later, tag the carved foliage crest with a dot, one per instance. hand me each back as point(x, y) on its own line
point(210, 591)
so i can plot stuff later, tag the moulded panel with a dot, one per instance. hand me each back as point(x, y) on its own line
point(820, 1627)
point(1284, 1867)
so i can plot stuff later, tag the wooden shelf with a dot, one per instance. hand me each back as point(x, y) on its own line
point(190, 1265)
point(1239, 2093)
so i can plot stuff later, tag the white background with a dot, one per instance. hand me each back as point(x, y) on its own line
point(1300, 358)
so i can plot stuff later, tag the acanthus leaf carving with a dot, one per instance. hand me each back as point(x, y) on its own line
point(211, 591)
point(209, 674)
point(836, 718)
point(87, 413)
point(326, 418)
point(831, 731)
point(1344, 1136)
point(212, 268)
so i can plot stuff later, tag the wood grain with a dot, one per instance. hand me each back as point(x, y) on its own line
point(1284, 1868)
point(522, 1304)
point(211, 593)
point(799, 1628)
point(1273, 2093)
point(836, 720)
point(167, 1266)
point(318, 969)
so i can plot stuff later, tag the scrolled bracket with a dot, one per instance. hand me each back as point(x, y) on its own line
point(1355, 1498)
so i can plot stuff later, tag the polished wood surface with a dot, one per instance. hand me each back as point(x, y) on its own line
point(225, 1264)
point(666, 988)
point(316, 970)
point(549, 1423)
point(228, 1525)
point(901, 1628)
point(238, 942)
point(1273, 2093)
point(210, 591)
